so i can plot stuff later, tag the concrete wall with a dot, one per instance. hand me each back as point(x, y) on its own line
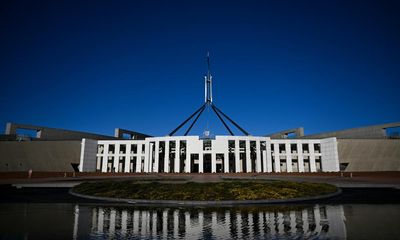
point(45, 133)
point(119, 133)
point(370, 154)
point(297, 132)
point(39, 155)
point(372, 132)
point(329, 152)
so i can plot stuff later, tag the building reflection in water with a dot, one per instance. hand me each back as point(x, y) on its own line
point(322, 222)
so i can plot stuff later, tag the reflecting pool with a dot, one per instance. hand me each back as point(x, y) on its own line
point(87, 221)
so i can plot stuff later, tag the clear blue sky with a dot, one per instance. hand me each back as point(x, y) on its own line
point(96, 65)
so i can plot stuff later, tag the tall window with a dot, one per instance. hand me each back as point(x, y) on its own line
point(134, 148)
point(207, 145)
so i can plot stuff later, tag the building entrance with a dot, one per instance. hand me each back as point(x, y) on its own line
point(207, 162)
point(194, 163)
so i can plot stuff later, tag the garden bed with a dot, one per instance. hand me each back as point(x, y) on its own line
point(209, 191)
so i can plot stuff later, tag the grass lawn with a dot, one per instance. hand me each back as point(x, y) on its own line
point(225, 190)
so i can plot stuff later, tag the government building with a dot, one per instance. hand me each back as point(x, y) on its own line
point(367, 149)
point(224, 154)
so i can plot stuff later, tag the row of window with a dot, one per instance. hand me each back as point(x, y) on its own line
point(293, 148)
point(207, 146)
point(122, 148)
point(243, 166)
point(134, 147)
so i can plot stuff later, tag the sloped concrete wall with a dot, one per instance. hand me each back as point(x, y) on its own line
point(88, 155)
point(370, 132)
point(39, 155)
point(370, 154)
point(45, 133)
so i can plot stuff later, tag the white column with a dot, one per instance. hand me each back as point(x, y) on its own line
point(157, 155)
point(150, 156)
point(139, 158)
point(277, 158)
point(201, 162)
point(265, 166)
point(237, 157)
point(105, 158)
point(312, 157)
point(248, 160)
point(166, 157)
point(269, 158)
point(128, 157)
point(258, 156)
point(116, 157)
point(146, 156)
point(300, 156)
point(177, 156)
point(213, 162)
point(329, 155)
point(188, 163)
point(288, 157)
point(226, 161)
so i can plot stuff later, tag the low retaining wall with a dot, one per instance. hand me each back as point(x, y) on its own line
point(205, 203)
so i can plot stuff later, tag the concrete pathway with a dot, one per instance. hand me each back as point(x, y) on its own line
point(57, 184)
point(345, 182)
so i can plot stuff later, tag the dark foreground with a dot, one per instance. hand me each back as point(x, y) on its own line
point(9, 194)
point(40, 213)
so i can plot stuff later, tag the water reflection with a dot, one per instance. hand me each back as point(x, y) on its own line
point(312, 222)
point(67, 220)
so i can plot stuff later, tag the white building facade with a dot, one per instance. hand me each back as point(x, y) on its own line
point(224, 154)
